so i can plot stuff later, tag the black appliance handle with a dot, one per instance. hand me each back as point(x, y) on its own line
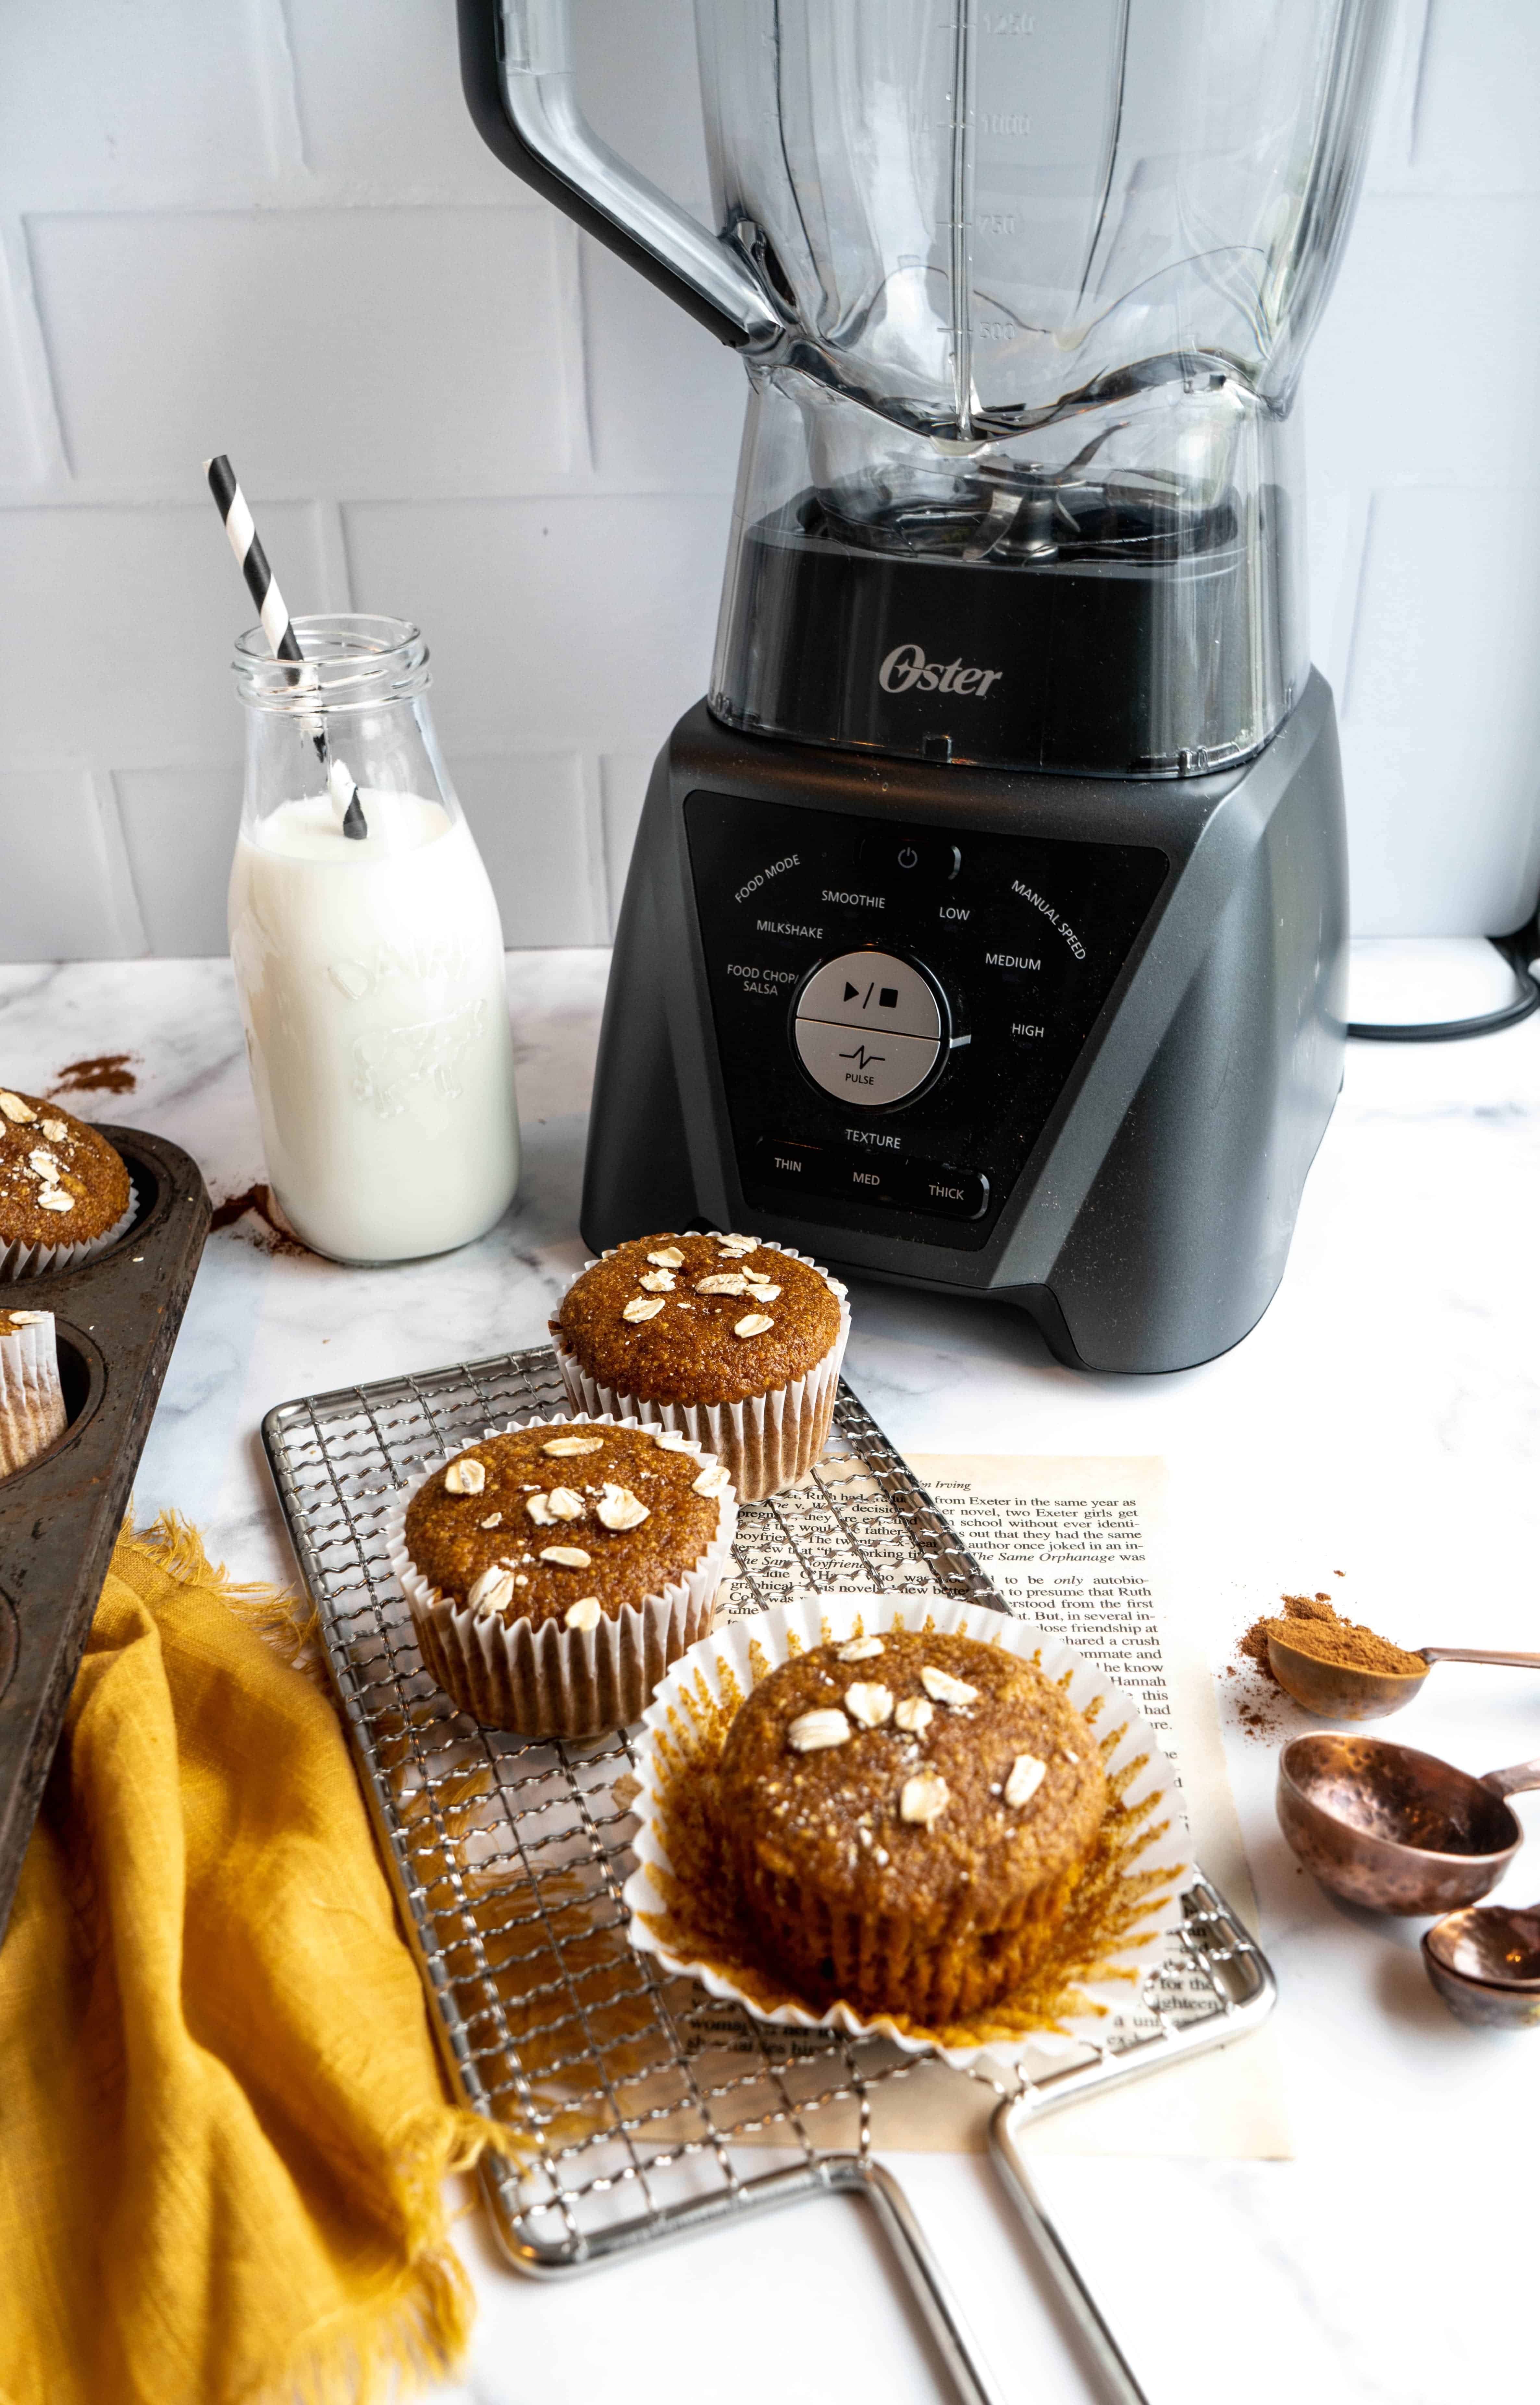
point(516, 67)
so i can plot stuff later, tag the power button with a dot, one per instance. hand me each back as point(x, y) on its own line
point(911, 856)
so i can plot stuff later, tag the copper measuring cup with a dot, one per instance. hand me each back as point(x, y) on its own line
point(1399, 1831)
point(1337, 1690)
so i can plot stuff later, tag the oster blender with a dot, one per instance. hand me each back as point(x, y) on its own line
point(986, 928)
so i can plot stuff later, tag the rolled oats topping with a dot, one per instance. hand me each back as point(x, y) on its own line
point(924, 1799)
point(21, 1114)
point(713, 1480)
point(860, 1649)
point(493, 1520)
point(493, 1591)
point(566, 1448)
point(643, 1307)
point(658, 1282)
point(914, 1715)
point(564, 1503)
point(618, 1508)
point(669, 1256)
point(56, 1131)
point(944, 1688)
point(672, 1441)
point(44, 1164)
point(869, 1704)
point(52, 1200)
point(812, 1731)
point(1027, 1776)
point(539, 1507)
point(753, 1323)
point(762, 1290)
point(465, 1476)
point(722, 1283)
point(584, 1614)
point(566, 1557)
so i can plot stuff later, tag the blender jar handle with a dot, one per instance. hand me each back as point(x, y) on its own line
point(516, 68)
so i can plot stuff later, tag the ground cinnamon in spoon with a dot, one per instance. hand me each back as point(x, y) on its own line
point(1311, 1625)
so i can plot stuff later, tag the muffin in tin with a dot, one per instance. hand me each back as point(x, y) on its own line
point(735, 1341)
point(554, 1570)
point(63, 1190)
point(31, 1401)
point(906, 1818)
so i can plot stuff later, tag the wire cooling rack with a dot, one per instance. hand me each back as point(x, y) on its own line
point(637, 2107)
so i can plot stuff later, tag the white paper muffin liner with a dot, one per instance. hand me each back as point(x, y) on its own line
point(31, 1401)
point(766, 1443)
point(749, 1649)
point(19, 1260)
point(551, 1680)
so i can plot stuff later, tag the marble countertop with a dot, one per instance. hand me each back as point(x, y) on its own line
point(1378, 1434)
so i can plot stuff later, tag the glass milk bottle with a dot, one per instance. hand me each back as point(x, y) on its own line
point(367, 952)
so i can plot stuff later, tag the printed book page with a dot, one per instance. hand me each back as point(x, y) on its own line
point(1073, 1545)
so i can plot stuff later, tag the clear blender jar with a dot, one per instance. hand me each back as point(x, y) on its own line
point(1023, 295)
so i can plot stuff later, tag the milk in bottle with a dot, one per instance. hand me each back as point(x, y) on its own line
point(370, 966)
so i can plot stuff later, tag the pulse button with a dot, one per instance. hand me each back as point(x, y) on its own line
point(869, 1028)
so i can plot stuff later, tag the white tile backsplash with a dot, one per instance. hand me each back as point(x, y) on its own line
point(576, 620)
point(98, 99)
point(62, 892)
point(119, 630)
point(536, 832)
point(179, 828)
point(271, 227)
point(1441, 714)
point(332, 351)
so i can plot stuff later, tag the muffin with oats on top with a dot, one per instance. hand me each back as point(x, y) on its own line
point(556, 1570)
point(906, 1818)
point(64, 1191)
point(731, 1340)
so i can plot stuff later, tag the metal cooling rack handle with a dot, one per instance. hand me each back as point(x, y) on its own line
point(1250, 1992)
point(859, 2174)
point(1118, 2384)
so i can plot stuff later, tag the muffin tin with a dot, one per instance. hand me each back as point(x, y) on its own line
point(116, 1316)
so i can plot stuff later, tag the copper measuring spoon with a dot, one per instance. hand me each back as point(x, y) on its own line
point(1398, 1830)
point(1485, 1963)
point(1337, 1690)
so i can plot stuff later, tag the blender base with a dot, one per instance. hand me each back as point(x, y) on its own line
point(1099, 1042)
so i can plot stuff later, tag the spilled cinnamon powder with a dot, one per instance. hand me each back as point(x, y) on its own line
point(104, 1072)
point(253, 1214)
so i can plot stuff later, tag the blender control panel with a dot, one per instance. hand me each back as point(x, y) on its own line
point(898, 1008)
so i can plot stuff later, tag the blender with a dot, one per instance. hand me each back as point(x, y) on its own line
point(986, 928)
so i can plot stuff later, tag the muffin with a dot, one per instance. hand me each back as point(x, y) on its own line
point(32, 1402)
point(64, 1191)
point(735, 1341)
point(906, 1818)
point(556, 1571)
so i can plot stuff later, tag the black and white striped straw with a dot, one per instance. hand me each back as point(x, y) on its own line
point(263, 586)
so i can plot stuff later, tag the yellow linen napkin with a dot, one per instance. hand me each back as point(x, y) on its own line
point(222, 2124)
